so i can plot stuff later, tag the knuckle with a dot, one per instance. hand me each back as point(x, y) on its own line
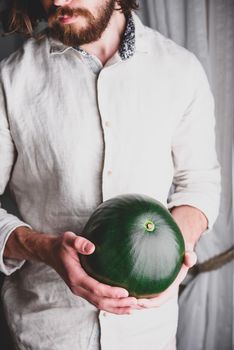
point(79, 239)
point(121, 303)
point(82, 281)
point(62, 252)
point(117, 304)
point(65, 236)
point(97, 290)
point(103, 290)
point(120, 311)
point(79, 242)
point(74, 286)
point(73, 289)
point(72, 281)
point(68, 234)
point(100, 304)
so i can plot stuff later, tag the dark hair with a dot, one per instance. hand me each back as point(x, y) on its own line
point(23, 16)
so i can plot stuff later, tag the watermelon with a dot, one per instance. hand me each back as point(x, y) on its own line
point(138, 245)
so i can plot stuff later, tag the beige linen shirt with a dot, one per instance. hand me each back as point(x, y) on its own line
point(70, 139)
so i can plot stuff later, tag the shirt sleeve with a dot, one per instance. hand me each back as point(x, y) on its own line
point(197, 180)
point(8, 222)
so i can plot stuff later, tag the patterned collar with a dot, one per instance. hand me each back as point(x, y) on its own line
point(128, 44)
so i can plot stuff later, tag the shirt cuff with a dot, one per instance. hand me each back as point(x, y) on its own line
point(7, 265)
point(207, 207)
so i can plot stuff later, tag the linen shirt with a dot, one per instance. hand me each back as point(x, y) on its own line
point(71, 138)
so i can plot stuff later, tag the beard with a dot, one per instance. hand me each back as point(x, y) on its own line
point(69, 34)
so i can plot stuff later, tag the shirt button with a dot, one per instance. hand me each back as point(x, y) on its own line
point(107, 124)
point(104, 314)
point(109, 172)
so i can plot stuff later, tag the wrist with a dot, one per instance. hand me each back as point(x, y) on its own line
point(27, 244)
point(191, 221)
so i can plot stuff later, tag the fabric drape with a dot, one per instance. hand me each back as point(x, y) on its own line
point(207, 29)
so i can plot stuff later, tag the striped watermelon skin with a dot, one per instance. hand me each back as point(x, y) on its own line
point(138, 245)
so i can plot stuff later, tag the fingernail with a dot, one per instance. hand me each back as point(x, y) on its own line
point(141, 304)
point(123, 294)
point(88, 247)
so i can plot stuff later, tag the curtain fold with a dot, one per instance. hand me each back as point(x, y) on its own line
point(206, 27)
point(180, 20)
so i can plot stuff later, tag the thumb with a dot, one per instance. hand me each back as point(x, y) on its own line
point(83, 245)
point(190, 258)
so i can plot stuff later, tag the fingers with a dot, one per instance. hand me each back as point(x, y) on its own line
point(103, 296)
point(117, 306)
point(158, 300)
point(190, 259)
point(115, 299)
point(170, 292)
point(79, 243)
point(83, 245)
point(161, 298)
point(101, 289)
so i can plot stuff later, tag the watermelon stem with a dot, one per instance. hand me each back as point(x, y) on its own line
point(149, 226)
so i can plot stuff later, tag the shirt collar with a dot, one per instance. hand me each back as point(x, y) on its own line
point(127, 46)
point(128, 43)
point(133, 40)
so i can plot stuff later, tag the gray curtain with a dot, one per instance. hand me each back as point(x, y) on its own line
point(206, 27)
point(9, 44)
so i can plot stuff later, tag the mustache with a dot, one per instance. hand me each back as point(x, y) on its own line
point(55, 12)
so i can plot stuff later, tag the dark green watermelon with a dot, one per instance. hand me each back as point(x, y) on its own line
point(138, 245)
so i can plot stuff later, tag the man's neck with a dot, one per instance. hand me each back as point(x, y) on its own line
point(109, 43)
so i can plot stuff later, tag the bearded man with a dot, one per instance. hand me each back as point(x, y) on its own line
point(94, 106)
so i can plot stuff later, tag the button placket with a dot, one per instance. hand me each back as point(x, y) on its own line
point(107, 170)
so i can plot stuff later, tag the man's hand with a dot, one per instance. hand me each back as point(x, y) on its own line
point(61, 253)
point(64, 259)
point(192, 223)
point(190, 259)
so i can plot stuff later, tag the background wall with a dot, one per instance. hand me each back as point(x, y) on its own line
point(9, 44)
